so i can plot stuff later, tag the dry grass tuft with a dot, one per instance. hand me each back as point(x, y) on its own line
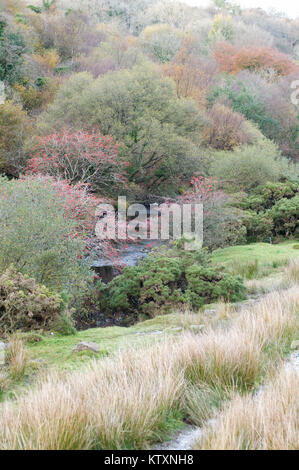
point(292, 272)
point(16, 356)
point(138, 396)
point(269, 421)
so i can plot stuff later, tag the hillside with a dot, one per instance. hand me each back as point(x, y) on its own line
point(149, 208)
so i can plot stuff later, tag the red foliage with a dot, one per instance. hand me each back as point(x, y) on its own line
point(232, 59)
point(78, 157)
point(78, 204)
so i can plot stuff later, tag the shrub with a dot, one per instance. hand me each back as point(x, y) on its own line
point(140, 110)
point(14, 129)
point(12, 50)
point(259, 227)
point(227, 129)
point(266, 196)
point(272, 211)
point(233, 59)
point(43, 231)
point(168, 278)
point(285, 215)
point(250, 166)
point(25, 305)
point(78, 157)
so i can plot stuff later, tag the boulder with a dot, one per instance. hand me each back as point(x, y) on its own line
point(86, 346)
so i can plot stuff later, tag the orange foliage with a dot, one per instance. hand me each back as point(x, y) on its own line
point(232, 59)
point(190, 77)
point(226, 129)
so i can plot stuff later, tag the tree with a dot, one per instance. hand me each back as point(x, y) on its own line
point(79, 157)
point(15, 128)
point(233, 59)
point(12, 50)
point(226, 129)
point(266, 103)
point(191, 73)
point(251, 165)
point(161, 42)
point(43, 233)
point(141, 111)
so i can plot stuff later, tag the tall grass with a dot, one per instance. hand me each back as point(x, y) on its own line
point(268, 422)
point(16, 356)
point(138, 396)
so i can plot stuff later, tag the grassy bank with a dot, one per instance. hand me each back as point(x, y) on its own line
point(136, 397)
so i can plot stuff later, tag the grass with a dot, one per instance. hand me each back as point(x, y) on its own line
point(17, 358)
point(138, 396)
point(256, 260)
point(269, 421)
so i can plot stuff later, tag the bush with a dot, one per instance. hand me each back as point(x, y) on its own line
point(272, 211)
point(43, 231)
point(78, 157)
point(227, 129)
point(166, 279)
point(250, 166)
point(266, 196)
point(158, 132)
point(259, 227)
point(25, 305)
point(14, 129)
point(285, 215)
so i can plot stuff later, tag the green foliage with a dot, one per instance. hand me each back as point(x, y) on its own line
point(12, 50)
point(64, 325)
point(25, 305)
point(273, 210)
point(250, 166)
point(166, 279)
point(37, 237)
point(285, 214)
point(268, 195)
point(259, 227)
point(246, 101)
point(157, 131)
point(15, 128)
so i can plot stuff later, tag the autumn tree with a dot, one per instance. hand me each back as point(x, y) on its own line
point(226, 128)
point(161, 42)
point(79, 157)
point(232, 59)
point(191, 73)
point(157, 131)
point(15, 128)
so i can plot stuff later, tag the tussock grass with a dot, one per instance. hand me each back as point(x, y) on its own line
point(269, 421)
point(292, 272)
point(138, 396)
point(16, 357)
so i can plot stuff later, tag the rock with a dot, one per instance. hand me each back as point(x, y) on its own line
point(85, 346)
point(2, 346)
point(295, 345)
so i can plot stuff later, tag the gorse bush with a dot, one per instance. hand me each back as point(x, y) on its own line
point(25, 305)
point(168, 278)
point(43, 231)
point(272, 210)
